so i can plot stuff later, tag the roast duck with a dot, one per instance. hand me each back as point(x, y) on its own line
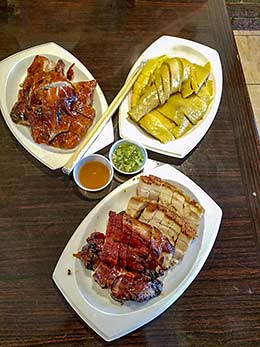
point(58, 111)
point(142, 242)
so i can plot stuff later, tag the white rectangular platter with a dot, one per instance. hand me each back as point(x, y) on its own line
point(94, 305)
point(13, 72)
point(196, 53)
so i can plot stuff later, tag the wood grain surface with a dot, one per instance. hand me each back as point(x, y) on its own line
point(40, 208)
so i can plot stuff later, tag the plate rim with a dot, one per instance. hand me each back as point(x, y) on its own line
point(136, 319)
point(50, 158)
point(192, 139)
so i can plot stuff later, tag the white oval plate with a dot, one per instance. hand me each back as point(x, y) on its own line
point(196, 53)
point(13, 71)
point(94, 305)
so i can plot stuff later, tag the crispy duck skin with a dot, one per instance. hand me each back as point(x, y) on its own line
point(58, 111)
point(168, 195)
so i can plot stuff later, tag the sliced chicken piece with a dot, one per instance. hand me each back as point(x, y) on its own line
point(159, 86)
point(176, 74)
point(165, 73)
point(148, 101)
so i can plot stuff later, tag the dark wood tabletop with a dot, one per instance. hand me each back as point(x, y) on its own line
point(40, 208)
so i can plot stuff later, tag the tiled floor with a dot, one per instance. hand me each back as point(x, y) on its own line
point(248, 44)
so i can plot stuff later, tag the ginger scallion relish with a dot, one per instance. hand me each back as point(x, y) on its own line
point(127, 157)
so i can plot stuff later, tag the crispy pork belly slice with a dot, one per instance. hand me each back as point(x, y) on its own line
point(167, 221)
point(149, 187)
point(173, 223)
point(168, 232)
point(181, 246)
point(181, 203)
point(172, 197)
point(177, 223)
point(148, 213)
point(165, 196)
point(136, 205)
point(90, 253)
point(135, 287)
point(192, 211)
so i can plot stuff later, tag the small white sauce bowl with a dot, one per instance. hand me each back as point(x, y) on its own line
point(138, 145)
point(97, 192)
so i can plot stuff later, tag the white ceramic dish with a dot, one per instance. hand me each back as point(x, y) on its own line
point(108, 318)
point(13, 71)
point(196, 53)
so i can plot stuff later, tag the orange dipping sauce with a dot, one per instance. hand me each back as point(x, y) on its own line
point(93, 175)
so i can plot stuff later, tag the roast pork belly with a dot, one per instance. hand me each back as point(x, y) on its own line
point(166, 194)
point(156, 215)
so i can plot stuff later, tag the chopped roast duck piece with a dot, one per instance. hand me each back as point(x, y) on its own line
point(90, 254)
point(135, 287)
point(128, 259)
point(58, 111)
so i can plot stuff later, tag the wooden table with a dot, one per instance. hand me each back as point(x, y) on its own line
point(40, 208)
